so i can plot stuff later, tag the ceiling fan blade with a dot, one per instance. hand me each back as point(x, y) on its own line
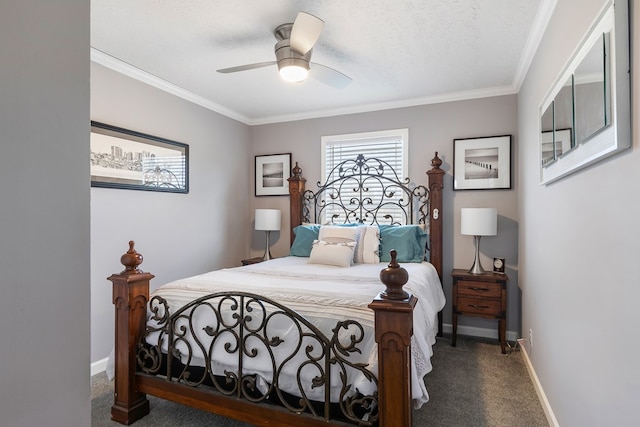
point(305, 32)
point(329, 76)
point(246, 67)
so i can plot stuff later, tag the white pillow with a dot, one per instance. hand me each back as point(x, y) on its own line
point(339, 254)
point(339, 234)
point(333, 232)
point(367, 238)
point(368, 248)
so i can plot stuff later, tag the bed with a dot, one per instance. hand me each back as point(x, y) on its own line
point(299, 340)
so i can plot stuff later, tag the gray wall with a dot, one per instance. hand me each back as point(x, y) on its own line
point(179, 235)
point(579, 255)
point(431, 128)
point(44, 216)
point(124, 102)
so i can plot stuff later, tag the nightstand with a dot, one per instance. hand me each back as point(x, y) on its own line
point(480, 295)
point(250, 261)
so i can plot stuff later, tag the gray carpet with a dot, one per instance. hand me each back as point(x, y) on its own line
point(472, 385)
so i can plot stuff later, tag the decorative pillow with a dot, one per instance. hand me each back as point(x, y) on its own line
point(305, 235)
point(338, 231)
point(367, 250)
point(340, 234)
point(409, 241)
point(339, 254)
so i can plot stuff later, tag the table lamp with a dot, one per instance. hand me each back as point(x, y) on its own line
point(478, 222)
point(267, 220)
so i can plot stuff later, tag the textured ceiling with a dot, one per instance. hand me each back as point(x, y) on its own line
point(398, 53)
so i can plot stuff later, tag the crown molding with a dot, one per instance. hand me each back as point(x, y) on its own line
point(540, 23)
point(129, 70)
point(413, 102)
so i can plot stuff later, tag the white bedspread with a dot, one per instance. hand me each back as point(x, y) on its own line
point(323, 294)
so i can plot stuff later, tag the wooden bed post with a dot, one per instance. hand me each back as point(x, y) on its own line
point(393, 309)
point(296, 189)
point(130, 297)
point(436, 186)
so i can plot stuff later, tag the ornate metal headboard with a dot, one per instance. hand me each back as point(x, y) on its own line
point(356, 191)
point(367, 191)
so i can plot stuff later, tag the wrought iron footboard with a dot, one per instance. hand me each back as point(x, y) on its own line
point(224, 340)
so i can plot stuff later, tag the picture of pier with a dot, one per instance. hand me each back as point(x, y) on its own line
point(481, 163)
point(273, 174)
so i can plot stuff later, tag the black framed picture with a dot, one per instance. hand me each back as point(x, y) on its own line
point(482, 163)
point(122, 158)
point(272, 172)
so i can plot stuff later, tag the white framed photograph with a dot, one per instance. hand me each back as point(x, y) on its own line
point(482, 163)
point(272, 172)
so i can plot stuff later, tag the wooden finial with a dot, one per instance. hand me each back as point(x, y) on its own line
point(131, 260)
point(297, 170)
point(394, 277)
point(436, 162)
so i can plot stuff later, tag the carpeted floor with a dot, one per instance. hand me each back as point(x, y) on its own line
point(471, 385)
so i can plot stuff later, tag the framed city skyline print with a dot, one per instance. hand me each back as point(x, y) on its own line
point(122, 158)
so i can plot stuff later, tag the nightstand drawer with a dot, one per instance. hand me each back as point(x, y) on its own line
point(480, 295)
point(480, 289)
point(479, 306)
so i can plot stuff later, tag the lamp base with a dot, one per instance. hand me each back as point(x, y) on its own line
point(267, 249)
point(476, 268)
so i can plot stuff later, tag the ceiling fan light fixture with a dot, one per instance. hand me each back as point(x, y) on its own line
point(294, 70)
point(294, 73)
point(293, 50)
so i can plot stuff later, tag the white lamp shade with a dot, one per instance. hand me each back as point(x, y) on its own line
point(267, 219)
point(479, 221)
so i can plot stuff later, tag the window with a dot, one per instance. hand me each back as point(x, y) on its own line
point(390, 146)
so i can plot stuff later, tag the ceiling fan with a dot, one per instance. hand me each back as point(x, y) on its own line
point(293, 49)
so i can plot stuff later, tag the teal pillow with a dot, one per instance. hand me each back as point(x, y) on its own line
point(305, 235)
point(409, 241)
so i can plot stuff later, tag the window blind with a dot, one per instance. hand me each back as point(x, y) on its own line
point(388, 146)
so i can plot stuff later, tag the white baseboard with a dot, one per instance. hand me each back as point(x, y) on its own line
point(99, 366)
point(479, 332)
point(551, 418)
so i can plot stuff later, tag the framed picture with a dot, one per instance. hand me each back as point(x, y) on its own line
point(272, 172)
point(482, 163)
point(122, 158)
point(562, 145)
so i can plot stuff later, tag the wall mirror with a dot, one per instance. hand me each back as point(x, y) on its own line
point(586, 115)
